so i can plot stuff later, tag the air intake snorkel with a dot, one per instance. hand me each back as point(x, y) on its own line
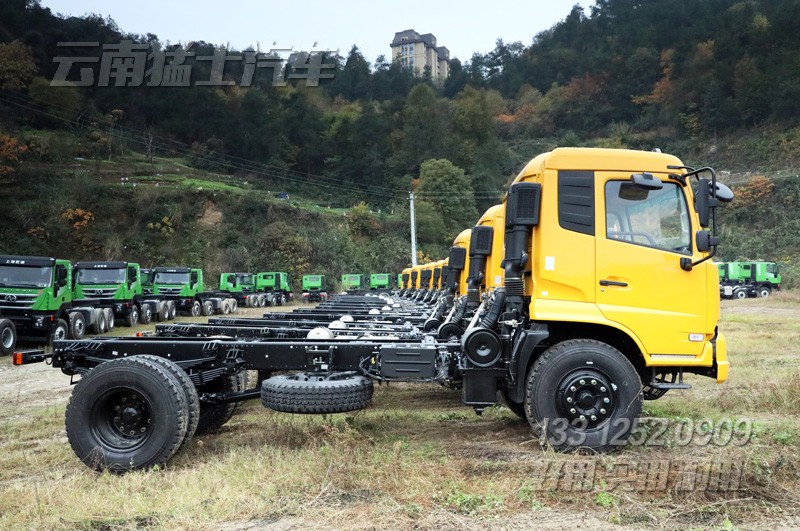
point(522, 214)
point(480, 247)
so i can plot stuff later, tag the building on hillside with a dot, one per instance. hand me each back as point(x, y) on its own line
point(417, 51)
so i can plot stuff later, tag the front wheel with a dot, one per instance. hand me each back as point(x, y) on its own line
point(583, 393)
point(8, 337)
point(197, 309)
point(764, 292)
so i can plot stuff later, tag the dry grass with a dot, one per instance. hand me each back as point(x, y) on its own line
point(418, 458)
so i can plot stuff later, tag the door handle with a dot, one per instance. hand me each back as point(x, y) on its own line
point(613, 283)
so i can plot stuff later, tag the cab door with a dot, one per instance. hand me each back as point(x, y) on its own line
point(639, 280)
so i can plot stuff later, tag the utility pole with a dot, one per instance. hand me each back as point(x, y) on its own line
point(413, 231)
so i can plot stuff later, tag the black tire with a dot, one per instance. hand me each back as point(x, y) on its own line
point(208, 308)
point(99, 326)
point(110, 321)
point(77, 325)
point(517, 408)
point(739, 293)
point(197, 309)
point(145, 314)
point(60, 332)
point(234, 305)
point(302, 393)
point(214, 416)
point(262, 301)
point(192, 400)
point(172, 310)
point(8, 337)
point(226, 308)
point(583, 393)
point(764, 292)
point(152, 423)
point(161, 312)
point(132, 319)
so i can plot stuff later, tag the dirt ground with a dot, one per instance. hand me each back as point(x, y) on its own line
point(488, 448)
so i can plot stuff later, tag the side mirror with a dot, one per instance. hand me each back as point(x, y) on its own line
point(704, 241)
point(724, 194)
point(702, 203)
point(647, 181)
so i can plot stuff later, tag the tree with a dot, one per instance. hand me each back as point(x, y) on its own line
point(10, 152)
point(16, 66)
point(449, 190)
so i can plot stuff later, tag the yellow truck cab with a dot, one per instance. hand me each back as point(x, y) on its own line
point(405, 276)
point(494, 217)
point(609, 292)
point(463, 241)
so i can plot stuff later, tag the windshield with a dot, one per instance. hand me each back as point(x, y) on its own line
point(25, 276)
point(164, 277)
point(100, 276)
point(245, 279)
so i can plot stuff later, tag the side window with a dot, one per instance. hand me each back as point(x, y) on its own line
point(652, 218)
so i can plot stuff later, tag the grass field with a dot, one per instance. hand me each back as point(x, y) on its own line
point(418, 458)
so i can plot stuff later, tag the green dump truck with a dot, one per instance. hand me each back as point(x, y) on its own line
point(379, 282)
point(274, 288)
point(184, 286)
point(314, 288)
point(353, 282)
point(740, 280)
point(116, 288)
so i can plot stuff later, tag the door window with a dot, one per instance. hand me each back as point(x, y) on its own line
point(652, 218)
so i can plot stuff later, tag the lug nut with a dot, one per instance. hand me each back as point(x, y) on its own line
point(606, 400)
point(594, 417)
point(142, 430)
point(569, 399)
point(572, 411)
point(594, 382)
point(582, 382)
point(572, 389)
point(602, 411)
point(602, 389)
point(116, 408)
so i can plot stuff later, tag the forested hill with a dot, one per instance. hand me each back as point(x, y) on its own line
point(713, 81)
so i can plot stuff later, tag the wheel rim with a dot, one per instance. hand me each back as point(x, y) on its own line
point(8, 338)
point(122, 419)
point(587, 398)
point(764, 293)
point(79, 327)
point(134, 315)
point(59, 333)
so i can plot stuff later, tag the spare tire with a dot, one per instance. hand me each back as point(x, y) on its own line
point(306, 393)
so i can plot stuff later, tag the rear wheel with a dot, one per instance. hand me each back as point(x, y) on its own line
point(100, 326)
point(126, 414)
point(739, 293)
point(197, 309)
point(208, 308)
point(8, 337)
point(583, 393)
point(214, 416)
point(146, 314)
point(109, 319)
point(192, 400)
point(132, 319)
point(77, 325)
point(172, 310)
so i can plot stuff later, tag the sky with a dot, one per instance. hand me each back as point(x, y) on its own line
point(464, 27)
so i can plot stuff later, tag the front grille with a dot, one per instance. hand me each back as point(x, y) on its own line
point(17, 300)
point(99, 293)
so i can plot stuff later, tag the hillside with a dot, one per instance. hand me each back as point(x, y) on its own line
point(712, 81)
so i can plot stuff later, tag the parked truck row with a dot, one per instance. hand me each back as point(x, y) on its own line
point(554, 303)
